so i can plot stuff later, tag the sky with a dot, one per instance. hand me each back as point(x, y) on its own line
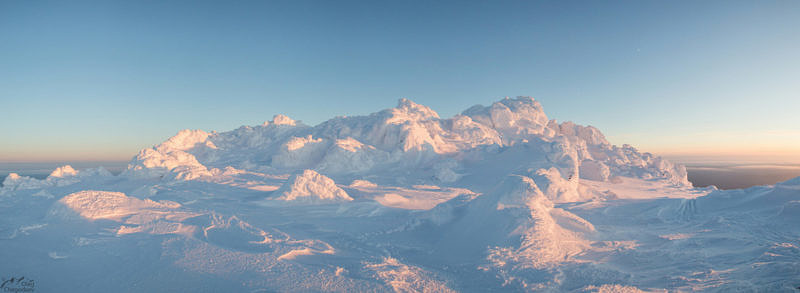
point(82, 80)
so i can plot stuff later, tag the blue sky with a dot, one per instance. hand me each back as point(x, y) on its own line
point(101, 80)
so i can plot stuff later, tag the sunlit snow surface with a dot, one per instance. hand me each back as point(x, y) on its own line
point(499, 198)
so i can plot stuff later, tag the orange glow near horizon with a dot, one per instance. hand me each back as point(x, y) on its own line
point(694, 154)
point(43, 156)
point(722, 146)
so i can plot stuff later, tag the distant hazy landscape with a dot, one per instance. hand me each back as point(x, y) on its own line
point(732, 176)
point(722, 175)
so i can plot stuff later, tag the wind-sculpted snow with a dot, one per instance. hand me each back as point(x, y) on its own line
point(94, 205)
point(497, 198)
point(409, 136)
point(311, 187)
point(522, 231)
point(404, 278)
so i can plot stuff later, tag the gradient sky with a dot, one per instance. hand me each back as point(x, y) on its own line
point(101, 80)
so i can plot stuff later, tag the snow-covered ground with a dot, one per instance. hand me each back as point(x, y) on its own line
point(498, 198)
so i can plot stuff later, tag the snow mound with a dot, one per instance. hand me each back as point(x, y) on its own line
point(131, 214)
point(172, 159)
point(95, 205)
point(311, 187)
point(520, 225)
point(63, 171)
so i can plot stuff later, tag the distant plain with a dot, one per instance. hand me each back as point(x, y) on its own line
point(733, 175)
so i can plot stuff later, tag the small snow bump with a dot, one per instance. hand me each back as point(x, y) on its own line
point(281, 119)
point(63, 171)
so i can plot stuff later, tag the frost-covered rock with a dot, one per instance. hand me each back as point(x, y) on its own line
point(311, 187)
point(514, 119)
point(589, 134)
point(186, 139)
point(152, 163)
point(171, 159)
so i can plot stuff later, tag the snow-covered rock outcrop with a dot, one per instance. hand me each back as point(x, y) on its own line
point(409, 136)
point(513, 119)
point(172, 158)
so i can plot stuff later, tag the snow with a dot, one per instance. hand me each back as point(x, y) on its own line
point(497, 198)
point(63, 171)
point(281, 119)
point(61, 176)
point(311, 187)
point(594, 170)
point(404, 278)
point(94, 205)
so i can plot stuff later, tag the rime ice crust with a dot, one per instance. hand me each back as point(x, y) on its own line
point(311, 187)
point(409, 136)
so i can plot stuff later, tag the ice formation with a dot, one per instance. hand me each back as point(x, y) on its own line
point(407, 136)
point(497, 198)
point(311, 187)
